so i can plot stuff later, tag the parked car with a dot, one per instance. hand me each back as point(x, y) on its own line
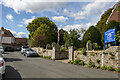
point(1, 49)
point(2, 65)
point(23, 48)
point(30, 52)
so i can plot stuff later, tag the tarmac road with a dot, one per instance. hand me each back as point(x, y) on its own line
point(19, 66)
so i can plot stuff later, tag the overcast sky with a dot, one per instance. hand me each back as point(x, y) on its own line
point(16, 14)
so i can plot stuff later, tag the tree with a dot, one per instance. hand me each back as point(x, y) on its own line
point(42, 31)
point(36, 23)
point(92, 34)
point(118, 36)
point(61, 32)
point(72, 39)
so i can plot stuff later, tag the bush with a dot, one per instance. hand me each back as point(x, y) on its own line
point(83, 51)
point(70, 62)
point(110, 68)
point(98, 61)
point(111, 54)
point(97, 67)
point(41, 56)
point(48, 57)
point(104, 67)
point(79, 62)
point(117, 70)
point(63, 49)
point(91, 64)
point(105, 53)
point(92, 54)
point(79, 49)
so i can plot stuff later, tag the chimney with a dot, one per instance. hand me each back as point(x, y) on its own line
point(2, 28)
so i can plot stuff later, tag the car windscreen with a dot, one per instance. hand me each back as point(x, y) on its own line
point(30, 50)
point(25, 47)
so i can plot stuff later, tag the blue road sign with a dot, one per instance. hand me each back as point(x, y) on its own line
point(109, 36)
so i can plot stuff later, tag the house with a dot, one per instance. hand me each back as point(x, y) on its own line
point(9, 42)
point(21, 41)
point(115, 15)
point(6, 39)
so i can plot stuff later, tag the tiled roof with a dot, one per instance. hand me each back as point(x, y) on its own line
point(7, 33)
point(115, 15)
point(22, 41)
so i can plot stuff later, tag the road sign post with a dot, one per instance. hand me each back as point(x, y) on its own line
point(109, 36)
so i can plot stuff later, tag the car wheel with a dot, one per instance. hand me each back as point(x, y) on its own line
point(26, 55)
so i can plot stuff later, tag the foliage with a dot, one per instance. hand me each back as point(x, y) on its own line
point(92, 54)
point(41, 56)
point(83, 51)
point(102, 23)
point(79, 62)
point(97, 67)
point(70, 62)
point(92, 34)
point(105, 53)
point(47, 57)
point(110, 68)
point(63, 49)
point(104, 67)
point(79, 49)
point(111, 54)
point(118, 9)
point(98, 61)
point(118, 36)
point(42, 31)
point(61, 32)
point(91, 64)
point(72, 39)
point(117, 70)
point(96, 47)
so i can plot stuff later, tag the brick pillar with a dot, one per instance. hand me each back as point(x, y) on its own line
point(71, 53)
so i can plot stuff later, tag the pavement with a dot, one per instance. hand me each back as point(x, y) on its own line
point(19, 66)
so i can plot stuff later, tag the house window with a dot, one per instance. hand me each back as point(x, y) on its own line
point(2, 32)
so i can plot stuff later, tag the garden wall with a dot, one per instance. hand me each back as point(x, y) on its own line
point(109, 57)
point(54, 52)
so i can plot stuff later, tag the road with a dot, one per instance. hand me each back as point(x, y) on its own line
point(19, 66)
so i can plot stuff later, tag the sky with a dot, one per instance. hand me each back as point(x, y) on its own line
point(15, 15)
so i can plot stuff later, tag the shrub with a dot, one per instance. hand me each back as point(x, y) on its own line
point(110, 68)
point(70, 62)
point(104, 67)
point(117, 70)
point(79, 49)
point(41, 56)
point(105, 53)
point(83, 51)
point(79, 53)
point(48, 57)
point(111, 54)
point(63, 49)
point(92, 54)
point(98, 61)
point(44, 50)
point(79, 62)
point(97, 67)
point(91, 64)
point(112, 57)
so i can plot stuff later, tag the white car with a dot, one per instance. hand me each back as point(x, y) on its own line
point(2, 66)
point(30, 52)
point(23, 48)
point(1, 49)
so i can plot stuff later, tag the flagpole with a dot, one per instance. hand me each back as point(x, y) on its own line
point(58, 36)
